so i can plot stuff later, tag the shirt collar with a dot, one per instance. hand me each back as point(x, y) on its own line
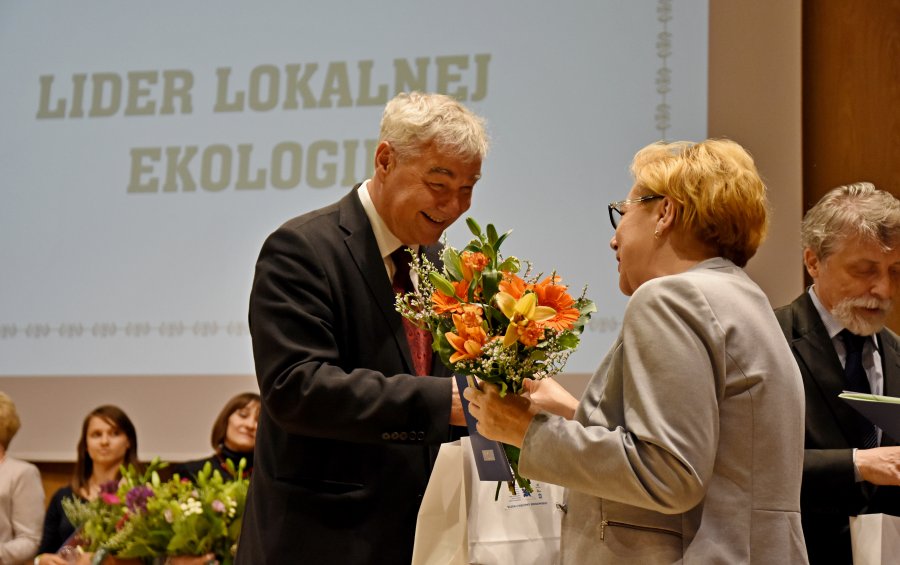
point(387, 241)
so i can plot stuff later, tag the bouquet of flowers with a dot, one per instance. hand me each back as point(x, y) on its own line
point(491, 323)
point(142, 517)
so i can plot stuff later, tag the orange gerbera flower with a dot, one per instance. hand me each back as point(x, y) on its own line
point(442, 304)
point(467, 341)
point(472, 263)
point(513, 285)
point(553, 294)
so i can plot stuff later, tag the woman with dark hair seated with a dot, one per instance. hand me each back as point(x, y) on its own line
point(108, 440)
point(233, 437)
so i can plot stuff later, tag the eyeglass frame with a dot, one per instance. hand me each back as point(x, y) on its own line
point(614, 206)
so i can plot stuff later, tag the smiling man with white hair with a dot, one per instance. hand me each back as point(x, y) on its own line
point(851, 249)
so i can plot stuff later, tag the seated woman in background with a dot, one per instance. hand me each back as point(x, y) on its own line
point(21, 495)
point(108, 440)
point(233, 437)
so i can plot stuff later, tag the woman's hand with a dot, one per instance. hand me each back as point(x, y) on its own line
point(550, 396)
point(52, 559)
point(191, 559)
point(503, 419)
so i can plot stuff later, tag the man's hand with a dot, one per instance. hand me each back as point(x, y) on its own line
point(501, 419)
point(879, 465)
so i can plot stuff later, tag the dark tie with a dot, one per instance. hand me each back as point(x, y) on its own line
point(856, 380)
point(419, 340)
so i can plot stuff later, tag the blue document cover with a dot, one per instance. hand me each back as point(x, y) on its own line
point(490, 459)
point(883, 411)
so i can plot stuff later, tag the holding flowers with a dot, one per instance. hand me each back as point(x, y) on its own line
point(687, 445)
point(142, 517)
point(108, 442)
point(487, 321)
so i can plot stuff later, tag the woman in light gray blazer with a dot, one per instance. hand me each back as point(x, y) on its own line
point(687, 446)
point(21, 495)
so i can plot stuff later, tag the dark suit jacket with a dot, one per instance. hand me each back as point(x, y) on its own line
point(830, 493)
point(346, 435)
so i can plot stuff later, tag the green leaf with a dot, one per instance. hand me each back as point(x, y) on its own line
point(452, 263)
point(538, 355)
point(492, 234)
point(568, 340)
point(501, 239)
point(509, 265)
point(489, 252)
point(588, 307)
point(490, 284)
point(442, 284)
point(473, 226)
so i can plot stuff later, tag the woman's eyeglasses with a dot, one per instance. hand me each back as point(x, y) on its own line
point(616, 210)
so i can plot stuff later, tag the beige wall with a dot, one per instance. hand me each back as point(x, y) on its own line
point(755, 98)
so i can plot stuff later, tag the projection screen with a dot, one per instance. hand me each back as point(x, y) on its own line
point(147, 150)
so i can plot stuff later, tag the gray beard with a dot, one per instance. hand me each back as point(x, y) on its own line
point(846, 313)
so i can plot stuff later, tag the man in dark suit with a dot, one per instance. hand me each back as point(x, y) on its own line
point(851, 241)
point(348, 431)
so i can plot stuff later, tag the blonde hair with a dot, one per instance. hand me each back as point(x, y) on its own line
point(414, 120)
point(857, 209)
point(9, 420)
point(719, 196)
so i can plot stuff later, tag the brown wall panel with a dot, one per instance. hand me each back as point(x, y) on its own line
point(851, 94)
point(851, 97)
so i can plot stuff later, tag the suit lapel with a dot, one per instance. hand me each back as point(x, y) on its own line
point(360, 242)
point(890, 364)
point(814, 348)
point(890, 359)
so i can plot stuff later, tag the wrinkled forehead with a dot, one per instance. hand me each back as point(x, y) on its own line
point(856, 247)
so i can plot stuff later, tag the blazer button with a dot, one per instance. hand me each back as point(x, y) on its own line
point(385, 436)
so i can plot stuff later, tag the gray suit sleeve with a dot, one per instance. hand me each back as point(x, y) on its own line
point(26, 518)
point(647, 428)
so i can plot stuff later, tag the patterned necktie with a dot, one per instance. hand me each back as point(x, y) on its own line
point(856, 380)
point(419, 339)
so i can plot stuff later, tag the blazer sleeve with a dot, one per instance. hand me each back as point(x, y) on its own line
point(27, 517)
point(652, 440)
point(316, 336)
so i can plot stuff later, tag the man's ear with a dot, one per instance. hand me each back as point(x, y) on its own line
point(385, 158)
point(811, 260)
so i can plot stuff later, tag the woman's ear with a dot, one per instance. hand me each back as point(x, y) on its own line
point(667, 215)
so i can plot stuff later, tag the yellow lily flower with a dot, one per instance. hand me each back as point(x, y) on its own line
point(521, 313)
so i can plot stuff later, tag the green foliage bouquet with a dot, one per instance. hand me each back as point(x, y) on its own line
point(491, 323)
point(142, 517)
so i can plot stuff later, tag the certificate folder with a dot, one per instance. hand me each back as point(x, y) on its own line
point(883, 411)
point(490, 458)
